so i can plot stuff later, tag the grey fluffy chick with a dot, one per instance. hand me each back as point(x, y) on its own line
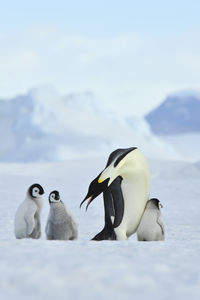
point(27, 217)
point(60, 224)
point(151, 227)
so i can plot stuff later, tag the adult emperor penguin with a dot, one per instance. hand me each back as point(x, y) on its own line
point(60, 224)
point(27, 218)
point(151, 227)
point(130, 168)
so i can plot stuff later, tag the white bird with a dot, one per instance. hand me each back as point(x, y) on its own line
point(151, 227)
point(27, 218)
point(60, 224)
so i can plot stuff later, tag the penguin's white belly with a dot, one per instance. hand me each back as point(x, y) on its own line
point(26, 217)
point(135, 194)
point(20, 223)
point(20, 228)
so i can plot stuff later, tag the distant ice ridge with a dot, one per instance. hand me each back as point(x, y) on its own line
point(178, 114)
point(44, 126)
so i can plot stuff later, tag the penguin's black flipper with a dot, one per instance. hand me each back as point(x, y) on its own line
point(107, 232)
point(118, 201)
point(113, 207)
point(108, 204)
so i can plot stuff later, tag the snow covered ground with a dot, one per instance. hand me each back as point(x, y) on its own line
point(84, 269)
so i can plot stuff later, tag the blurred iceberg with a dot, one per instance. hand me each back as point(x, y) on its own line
point(45, 126)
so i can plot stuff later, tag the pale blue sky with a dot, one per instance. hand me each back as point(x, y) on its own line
point(111, 17)
point(130, 53)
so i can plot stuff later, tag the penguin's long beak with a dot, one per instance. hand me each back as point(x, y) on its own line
point(89, 201)
point(95, 189)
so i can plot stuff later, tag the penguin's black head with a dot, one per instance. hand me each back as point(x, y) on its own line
point(156, 202)
point(54, 197)
point(35, 190)
point(99, 185)
point(95, 189)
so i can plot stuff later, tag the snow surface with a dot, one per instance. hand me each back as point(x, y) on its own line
point(84, 269)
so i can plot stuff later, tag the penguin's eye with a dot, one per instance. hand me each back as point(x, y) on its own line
point(52, 196)
point(35, 190)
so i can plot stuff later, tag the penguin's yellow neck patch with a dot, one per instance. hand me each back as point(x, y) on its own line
point(100, 180)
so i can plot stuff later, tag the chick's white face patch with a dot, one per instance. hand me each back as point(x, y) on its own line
point(36, 192)
point(52, 198)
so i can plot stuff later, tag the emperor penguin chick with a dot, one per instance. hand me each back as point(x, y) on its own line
point(151, 227)
point(60, 224)
point(27, 218)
